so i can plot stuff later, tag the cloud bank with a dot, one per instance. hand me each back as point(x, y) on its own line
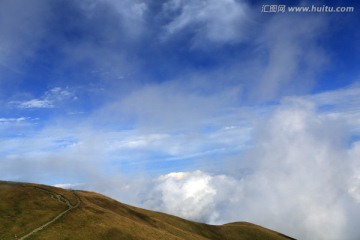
point(299, 173)
point(304, 179)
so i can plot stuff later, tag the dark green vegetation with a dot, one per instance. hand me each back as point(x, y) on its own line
point(25, 207)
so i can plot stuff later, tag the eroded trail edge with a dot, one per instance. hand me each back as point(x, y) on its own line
point(60, 198)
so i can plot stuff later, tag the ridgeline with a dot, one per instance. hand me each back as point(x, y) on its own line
point(38, 212)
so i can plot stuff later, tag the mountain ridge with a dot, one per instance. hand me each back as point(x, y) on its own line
point(34, 211)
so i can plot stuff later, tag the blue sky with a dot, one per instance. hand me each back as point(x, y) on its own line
point(233, 111)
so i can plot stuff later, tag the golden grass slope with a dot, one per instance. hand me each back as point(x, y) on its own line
point(25, 207)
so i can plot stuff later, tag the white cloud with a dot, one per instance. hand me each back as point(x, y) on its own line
point(142, 142)
point(341, 97)
point(168, 106)
point(354, 172)
point(36, 103)
point(302, 179)
point(59, 94)
point(130, 14)
point(213, 20)
point(68, 185)
point(12, 120)
point(354, 188)
point(50, 99)
point(187, 195)
point(289, 41)
point(301, 176)
point(15, 126)
point(341, 104)
point(195, 195)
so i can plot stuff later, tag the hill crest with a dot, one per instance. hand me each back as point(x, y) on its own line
point(33, 211)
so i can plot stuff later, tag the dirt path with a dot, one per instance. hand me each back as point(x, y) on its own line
point(60, 198)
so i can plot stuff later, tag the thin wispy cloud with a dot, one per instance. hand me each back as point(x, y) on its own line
point(36, 103)
point(50, 99)
point(212, 21)
point(12, 120)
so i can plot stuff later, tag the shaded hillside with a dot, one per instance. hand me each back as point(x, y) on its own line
point(47, 212)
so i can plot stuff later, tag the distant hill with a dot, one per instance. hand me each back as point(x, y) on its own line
point(32, 211)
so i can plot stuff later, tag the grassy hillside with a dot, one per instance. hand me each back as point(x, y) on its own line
point(87, 215)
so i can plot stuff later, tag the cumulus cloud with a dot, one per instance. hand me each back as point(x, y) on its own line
point(187, 195)
point(194, 195)
point(301, 174)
